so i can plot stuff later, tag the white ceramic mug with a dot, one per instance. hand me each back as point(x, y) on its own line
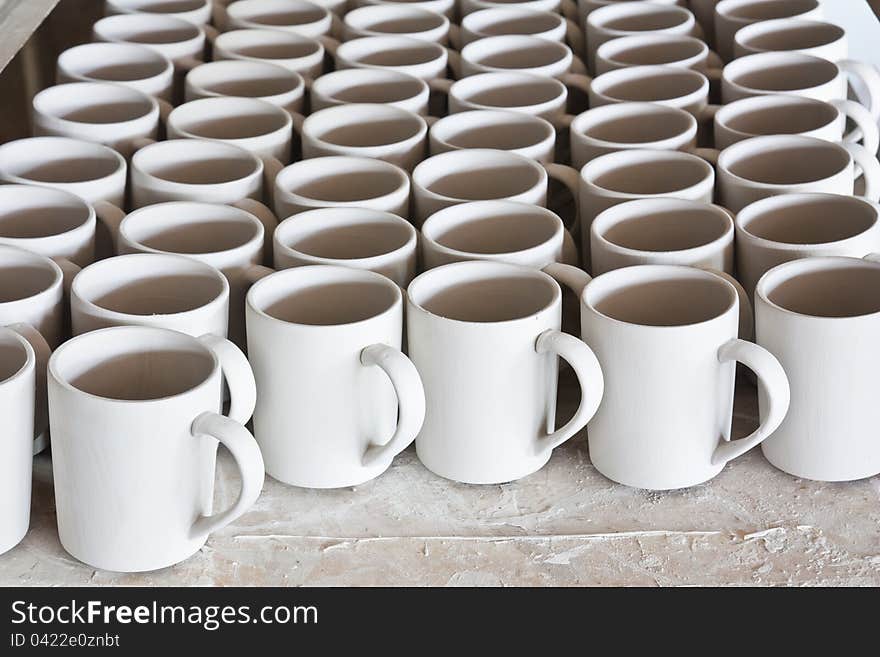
point(485, 337)
point(791, 226)
point(373, 131)
point(194, 11)
point(508, 19)
point(102, 112)
point(128, 64)
point(830, 304)
point(422, 59)
point(339, 182)
point(781, 164)
point(810, 37)
point(503, 231)
point(776, 114)
point(297, 16)
point(295, 52)
point(483, 174)
point(530, 136)
point(666, 338)
point(798, 74)
point(176, 39)
point(227, 238)
point(658, 50)
point(135, 417)
point(365, 85)
point(250, 123)
point(522, 53)
point(627, 18)
point(92, 171)
point(18, 379)
point(377, 241)
point(515, 92)
point(199, 170)
point(325, 343)
point(398, 19)
point(150, 289)
point(249, 79)
point(32, 291)
point(733, 15)
point(614, 178)
point(662, 231)
point(626, 126)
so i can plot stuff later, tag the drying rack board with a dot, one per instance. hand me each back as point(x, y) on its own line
point(565, 525)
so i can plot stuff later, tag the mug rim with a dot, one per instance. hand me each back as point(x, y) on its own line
point(473, 86)
point(255, 242)
point(193, 83)
point(121, 164)
point(318, 214)
point(635, 156)
point(391, 43)
point(326, 274)
point(641, 274)
point(762, 206)
point(615, 11)
point(726, 5)
point(796, 268)
point(86, 225)
point(747, 63)
point(517, 43)
point(608, 219)
point(143, 50)
point(30, 359)
point(81, 89)
point(192, 264)
point(44, 261)
point(511, 12)
point(548, 140)
point(396, 11)
point(492, 268)
point(629, 109)
point(280, 37)
point(650, 38)
point(742, 106)
point(762, 28)
point(155, 332)
point(373, 164)
point(347, 111)
point(390, 75)
point(501, 207)
point(137, 161)
point(600, 84)
point(103, 27)
point(190, 109)
point(245, 18)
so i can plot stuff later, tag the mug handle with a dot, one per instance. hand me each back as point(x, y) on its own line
point(454, 36)
point(577, 65)
point(569, 249)
point(111, 216)
point(589, 375)
point(866, 128)
point(869, 77)
point(570, 178)
point(272, 166)
point(266, 217)
point(579, 81)
point(246, 452)
point(238, 374)
point(778, 394)
point(42, 352)
point(330, 43)
point(410, 400)
point(870, 169)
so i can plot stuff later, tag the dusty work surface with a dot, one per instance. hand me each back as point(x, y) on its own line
point(565, 525)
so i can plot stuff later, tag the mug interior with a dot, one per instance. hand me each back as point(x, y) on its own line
point(343, 180)
point(483, 292)
point(642, 19)
point(514, 52)
point(647, 174)
point(396, 55)
point(139, 365)
point(13, 356)
point(650, 86)
point(161, 6)
point(470, 175)
point(393, 19)
point(93, 103)
point(58, 160)
point(798, 73)
point(190, 228)
point(762, 10)
point(245, 79)
point(194, 162)
point(794, 35)
point(791, 163)
point(643, 127)
point(113, 62)
point(24, 275)
point(818, 219)
point(277, 14)
point(355, 88)
point(38, 212)
point(670, 229)
point(491, 232)
point(147, 30)
point(505, 131)
point(267, 44)
point(772, 115)
point(323, 295)
point(146, 285)
point(660, 296)
point(824, 287)
point(503, 21)
point(345, 234)
point(229, 118)
point(363, 127)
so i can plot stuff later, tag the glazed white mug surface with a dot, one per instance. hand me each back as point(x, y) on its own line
point(501, 231)
point(128, 64)
point(377, 241)
point(249, 79)
point(337, 400)
point(295, 52)
point(810, 37)
point(370, 85)
point(779, 114)
point(830, 304)
point(666, 339)
point(662, 231)
point(250, 123)
point(135, 418)
point(372, 131)
point(338, 182)
point(225, 237)
point(485, 338)
point(92, 171)
point(150, 289)
point(733, 15)
point(759, 167)
point(791, 226)
point(626, 126)
point(102, 112)
point(483, 174)
point(174, 38)
point(527, 135)
point(194, 11)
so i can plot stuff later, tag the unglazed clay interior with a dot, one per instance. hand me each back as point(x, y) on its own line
point(332, 303)
point(672, 302)
point(820, 221)
point(838, 292)
point(674, 230)
point(353, 241)
point(498, 299)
